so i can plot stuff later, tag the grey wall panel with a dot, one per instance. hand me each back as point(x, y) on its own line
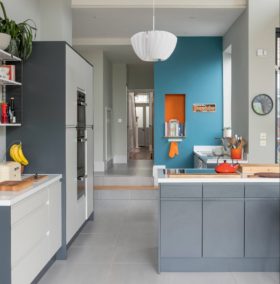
point(223, 228)
point(223, 190)
point(262, 234)
point(181, 228)
point(262, 190)
point(181, 190)
point(5, 245)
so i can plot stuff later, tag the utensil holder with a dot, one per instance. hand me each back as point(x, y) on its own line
point(236, 153)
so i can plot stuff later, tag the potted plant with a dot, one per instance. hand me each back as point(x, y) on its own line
point(21, 34)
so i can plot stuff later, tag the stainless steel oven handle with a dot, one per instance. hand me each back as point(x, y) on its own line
point(82, 104)
point(82, 140)
point(82, 178)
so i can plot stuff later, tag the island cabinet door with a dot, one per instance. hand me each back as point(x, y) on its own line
point(223, 228)
point(262, 228)
point(181, 228)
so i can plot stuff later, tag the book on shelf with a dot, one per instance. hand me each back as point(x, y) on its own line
point(8, 72)
point(173, 128)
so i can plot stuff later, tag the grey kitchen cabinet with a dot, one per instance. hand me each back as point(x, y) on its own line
point(262, 234)
point(223, 228)
point(181, 228)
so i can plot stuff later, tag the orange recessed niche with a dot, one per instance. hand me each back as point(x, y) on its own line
point(175, 107)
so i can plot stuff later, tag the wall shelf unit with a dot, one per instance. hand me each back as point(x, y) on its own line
point(12, 88)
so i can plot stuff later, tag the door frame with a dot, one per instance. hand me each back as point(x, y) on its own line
point(136, 91)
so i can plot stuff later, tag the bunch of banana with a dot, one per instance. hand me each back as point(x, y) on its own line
point(17, 155)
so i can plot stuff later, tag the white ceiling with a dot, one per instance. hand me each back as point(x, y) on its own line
point(111, 27)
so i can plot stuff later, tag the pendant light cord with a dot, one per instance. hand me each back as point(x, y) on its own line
point(154, 18)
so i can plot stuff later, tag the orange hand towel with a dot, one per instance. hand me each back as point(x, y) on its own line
point(174, 150)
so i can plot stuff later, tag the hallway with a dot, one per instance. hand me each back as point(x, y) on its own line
point(120, 247)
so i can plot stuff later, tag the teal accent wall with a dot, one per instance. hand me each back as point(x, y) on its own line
point(194, 69)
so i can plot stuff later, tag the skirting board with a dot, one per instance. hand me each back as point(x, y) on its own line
point(120, 159)
point(219, 265)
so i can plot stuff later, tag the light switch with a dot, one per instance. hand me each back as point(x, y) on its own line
point(263, 135)
point(262, 143)
point(119, 120)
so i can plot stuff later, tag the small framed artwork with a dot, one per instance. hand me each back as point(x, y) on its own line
point(204, 108)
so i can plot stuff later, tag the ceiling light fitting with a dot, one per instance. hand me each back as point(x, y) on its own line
point(153, 45)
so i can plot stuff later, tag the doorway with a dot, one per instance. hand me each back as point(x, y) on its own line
point(140, 125)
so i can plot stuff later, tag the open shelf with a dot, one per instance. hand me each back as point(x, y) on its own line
point(175, 117)
point(10, 124)
point(6, 82)
point(7, 56)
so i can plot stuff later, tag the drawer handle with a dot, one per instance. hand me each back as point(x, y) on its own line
point(48, 233)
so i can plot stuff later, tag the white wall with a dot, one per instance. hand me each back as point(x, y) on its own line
point(107, 103)
point(20, 10)
point(140, 76)
point(264, 17)
point(56, 20)
point(119, 113)
point(237, 37)
point(252, 75)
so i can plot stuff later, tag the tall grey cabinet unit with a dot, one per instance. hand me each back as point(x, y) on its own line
point(53, 76)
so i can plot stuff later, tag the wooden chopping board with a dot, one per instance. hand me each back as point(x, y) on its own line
point(265, 175)
point(236, 175)
point(20, 185)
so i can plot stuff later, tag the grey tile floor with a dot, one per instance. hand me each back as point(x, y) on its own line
point(132, 168)
point(119, 247)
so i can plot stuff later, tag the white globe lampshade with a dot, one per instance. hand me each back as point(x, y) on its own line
point(154, 45)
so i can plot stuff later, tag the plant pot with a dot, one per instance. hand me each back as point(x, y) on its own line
point(13, 47)
point(4, 40)
point(236, 153)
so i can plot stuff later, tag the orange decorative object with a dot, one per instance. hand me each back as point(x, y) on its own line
point(175, 107)
point(174, 150)
point(236, 153)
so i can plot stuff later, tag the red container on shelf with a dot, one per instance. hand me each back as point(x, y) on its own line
point(236, 153)
point(4, 113)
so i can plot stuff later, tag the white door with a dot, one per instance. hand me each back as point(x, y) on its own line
point(142, 117)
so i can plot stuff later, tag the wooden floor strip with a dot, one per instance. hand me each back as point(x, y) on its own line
point(124, 187)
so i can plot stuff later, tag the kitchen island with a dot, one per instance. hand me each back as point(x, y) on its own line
point(218, 224)
point(30, 234)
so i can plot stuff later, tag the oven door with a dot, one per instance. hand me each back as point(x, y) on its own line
point(81, 161)
point(81, 110)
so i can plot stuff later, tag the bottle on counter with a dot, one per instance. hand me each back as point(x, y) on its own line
point(12, 112)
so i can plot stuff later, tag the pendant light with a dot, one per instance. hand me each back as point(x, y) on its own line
point(153, 45)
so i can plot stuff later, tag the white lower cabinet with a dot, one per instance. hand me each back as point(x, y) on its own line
point(35, 233)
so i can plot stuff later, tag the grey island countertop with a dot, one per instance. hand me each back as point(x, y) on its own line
point(206, 175)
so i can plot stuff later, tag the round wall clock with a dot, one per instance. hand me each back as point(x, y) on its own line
point(262, 104)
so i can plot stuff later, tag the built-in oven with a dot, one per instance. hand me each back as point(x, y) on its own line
point(81, 143)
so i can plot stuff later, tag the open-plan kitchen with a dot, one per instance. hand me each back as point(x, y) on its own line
point(140, 141)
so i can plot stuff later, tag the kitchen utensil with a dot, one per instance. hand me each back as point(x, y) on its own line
point(226, 167)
